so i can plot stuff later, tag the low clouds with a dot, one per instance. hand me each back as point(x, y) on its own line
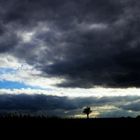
point(132, 105)
point(85, 43)
point(67, 107)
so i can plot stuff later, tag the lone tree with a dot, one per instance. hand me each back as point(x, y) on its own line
point(87, 111)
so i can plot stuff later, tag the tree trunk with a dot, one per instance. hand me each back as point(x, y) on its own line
point(87, 116)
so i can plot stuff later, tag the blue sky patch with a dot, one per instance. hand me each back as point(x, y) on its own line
point(15, 85)
point(6, 70)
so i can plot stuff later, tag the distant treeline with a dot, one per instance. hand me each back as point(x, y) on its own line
point(15, 115)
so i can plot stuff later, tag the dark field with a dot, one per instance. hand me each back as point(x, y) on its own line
point(69, 128)
point(56, 123)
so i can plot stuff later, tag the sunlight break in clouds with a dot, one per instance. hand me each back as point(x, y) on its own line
point(74, 93)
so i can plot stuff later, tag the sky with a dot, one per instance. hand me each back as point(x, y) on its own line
point(59, 56)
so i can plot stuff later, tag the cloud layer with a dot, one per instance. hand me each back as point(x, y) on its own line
point(70, 107)
point(86, 43)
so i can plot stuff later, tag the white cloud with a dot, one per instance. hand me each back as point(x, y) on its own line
point(9, 61)
point(24, 73)
point(73, 93)
point(98, 92)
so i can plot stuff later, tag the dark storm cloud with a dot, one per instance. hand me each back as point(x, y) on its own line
point(7, 42)
point(88, 43)
point(33, 102)
point(60, 11)
point(43, 102)
point(64, 106)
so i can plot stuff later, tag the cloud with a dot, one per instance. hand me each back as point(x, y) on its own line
point(14, 70)
point(132, 106)
point(70, 92)
point(92, 43)
point(118, 113)
point(39, 104)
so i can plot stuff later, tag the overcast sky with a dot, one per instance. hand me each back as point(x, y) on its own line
point(71, 53)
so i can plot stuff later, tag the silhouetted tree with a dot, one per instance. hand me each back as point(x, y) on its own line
point(87, 111)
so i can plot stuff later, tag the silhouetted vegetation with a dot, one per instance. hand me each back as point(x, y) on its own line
point(30, 120)
point(87, 111)
point(43, 124)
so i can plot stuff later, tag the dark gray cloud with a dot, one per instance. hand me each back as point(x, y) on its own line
point(88, 43)
point(64, 106)
point(132, 106)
